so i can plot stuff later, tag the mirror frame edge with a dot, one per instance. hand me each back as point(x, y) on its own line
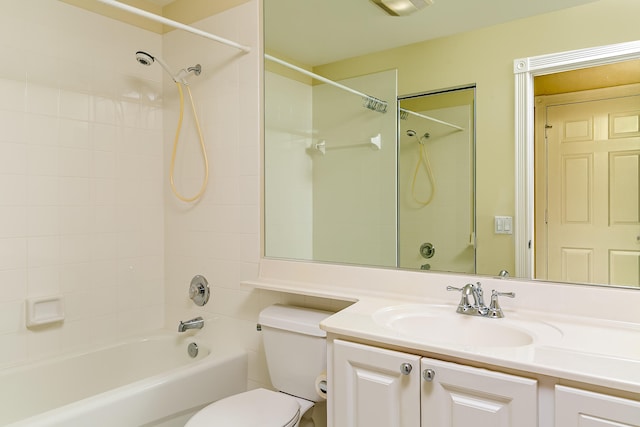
point(525, 69)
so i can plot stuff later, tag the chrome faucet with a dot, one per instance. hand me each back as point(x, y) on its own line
point(495, 310)
point(478, 308)
point(195, 323)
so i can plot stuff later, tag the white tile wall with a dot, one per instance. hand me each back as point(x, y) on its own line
point(85, 206)
point(81, 179)
point(218, 237)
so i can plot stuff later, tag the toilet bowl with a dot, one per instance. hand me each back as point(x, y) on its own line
point(295, 348)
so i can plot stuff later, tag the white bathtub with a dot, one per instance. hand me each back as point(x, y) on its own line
point(142, 382)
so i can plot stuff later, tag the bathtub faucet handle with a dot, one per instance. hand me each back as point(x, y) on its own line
point(195, 323)
point(199, 290)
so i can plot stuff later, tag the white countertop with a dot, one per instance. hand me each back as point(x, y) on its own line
point(566, 347)
point(587, 334)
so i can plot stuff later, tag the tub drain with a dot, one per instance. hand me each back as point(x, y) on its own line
point(192, 349)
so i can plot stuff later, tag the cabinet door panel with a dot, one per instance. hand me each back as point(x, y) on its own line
point(461, 396)
point(579, 408)
point(370, 390)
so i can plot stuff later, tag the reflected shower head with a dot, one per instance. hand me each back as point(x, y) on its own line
point(144, 58)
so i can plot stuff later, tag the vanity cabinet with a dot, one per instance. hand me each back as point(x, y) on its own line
point(374, 387)
point(455, 395)
point(578, 408)
point(379, 387)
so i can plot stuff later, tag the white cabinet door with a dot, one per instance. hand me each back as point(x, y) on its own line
point(579, 408)
point(374, 387)
point(460, 396)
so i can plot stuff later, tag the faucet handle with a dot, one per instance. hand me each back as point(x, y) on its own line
point(496, 294)
point(494, 308)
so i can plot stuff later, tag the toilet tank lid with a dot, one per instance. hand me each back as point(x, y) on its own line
point(297, 319)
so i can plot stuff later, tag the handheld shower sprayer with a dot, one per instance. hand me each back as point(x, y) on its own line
point(147, 59)
point(422, 161)
point(144, 58)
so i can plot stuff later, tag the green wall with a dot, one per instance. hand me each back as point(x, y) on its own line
point(485, 57)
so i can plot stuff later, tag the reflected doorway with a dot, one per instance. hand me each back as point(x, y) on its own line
point(587, 171)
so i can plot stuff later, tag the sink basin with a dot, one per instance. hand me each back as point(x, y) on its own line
point(438, 324)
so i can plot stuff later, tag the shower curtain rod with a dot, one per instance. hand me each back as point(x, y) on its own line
point(174, 24)
point(348, 89)
point(413, 113)
point(326, 80)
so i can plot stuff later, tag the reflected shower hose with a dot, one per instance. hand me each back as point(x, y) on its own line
point(424, 159)
point(175, 149)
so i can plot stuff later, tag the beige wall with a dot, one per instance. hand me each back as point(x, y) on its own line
point(485, 57)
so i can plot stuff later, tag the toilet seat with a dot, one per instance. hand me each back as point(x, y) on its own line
point(255, 408)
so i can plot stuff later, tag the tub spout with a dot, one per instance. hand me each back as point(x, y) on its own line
point(195, 323)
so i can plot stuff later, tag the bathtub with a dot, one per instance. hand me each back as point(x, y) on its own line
point(150, 381)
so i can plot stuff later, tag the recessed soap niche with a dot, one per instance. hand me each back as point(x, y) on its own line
point(42, 311)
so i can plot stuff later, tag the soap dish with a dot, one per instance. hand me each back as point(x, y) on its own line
point(44, 310)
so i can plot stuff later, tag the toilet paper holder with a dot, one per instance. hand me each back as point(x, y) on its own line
point(321, 385)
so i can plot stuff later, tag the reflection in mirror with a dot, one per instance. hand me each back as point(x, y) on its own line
point(436, 202)
point(435, 48)
point(587, 174)
point(330, 181)
point(581, 200)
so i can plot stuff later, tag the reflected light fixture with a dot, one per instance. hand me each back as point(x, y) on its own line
point(402, 7)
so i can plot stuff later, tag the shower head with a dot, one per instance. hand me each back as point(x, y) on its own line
point(144, 58)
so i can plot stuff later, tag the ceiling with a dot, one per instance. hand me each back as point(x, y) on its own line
point(316, 32)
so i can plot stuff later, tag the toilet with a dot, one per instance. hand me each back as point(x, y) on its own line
point(296, 352)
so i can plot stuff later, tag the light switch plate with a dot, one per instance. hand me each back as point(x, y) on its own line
point(503, 225)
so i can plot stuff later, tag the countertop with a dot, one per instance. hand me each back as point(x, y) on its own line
point(586, 334)
point(602, 353)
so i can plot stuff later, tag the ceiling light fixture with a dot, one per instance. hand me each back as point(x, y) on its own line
point(402, 7)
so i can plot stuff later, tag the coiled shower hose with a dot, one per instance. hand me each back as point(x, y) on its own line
point(175, 149)
point(424, 159)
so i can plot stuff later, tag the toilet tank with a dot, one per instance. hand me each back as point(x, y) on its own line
point(295, 347)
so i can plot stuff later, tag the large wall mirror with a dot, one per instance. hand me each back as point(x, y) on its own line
point(344, 150)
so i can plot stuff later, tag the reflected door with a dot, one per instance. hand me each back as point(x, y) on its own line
point(592, 204)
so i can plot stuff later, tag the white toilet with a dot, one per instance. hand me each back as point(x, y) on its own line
point(296, 352)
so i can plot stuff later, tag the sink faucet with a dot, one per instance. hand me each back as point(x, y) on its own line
point(467, 290)
point(195, 323)
point(478, 308)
